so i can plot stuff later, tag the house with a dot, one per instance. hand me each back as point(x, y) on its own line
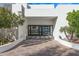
point(35, 25)
point(42, 19)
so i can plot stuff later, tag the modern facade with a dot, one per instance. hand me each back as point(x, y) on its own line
point(43, 19)
point(35, 25)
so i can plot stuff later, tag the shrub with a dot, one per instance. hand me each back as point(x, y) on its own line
point(4, 41)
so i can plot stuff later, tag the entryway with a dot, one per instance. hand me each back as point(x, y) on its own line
point(40, 27)
point(40, 31)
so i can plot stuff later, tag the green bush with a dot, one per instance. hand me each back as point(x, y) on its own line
point(77, 35)
point(4, 41)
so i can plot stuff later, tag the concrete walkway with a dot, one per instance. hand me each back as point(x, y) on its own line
point(40, 48)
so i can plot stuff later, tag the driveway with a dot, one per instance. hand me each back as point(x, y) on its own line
point(40, 47)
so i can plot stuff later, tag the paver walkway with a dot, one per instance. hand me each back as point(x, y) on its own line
point(41, 48)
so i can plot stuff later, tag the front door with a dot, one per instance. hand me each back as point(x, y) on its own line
point(40, 30)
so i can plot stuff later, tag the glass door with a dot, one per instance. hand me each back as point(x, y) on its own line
point(33, 30)
point(40, 30)
point(45, 30)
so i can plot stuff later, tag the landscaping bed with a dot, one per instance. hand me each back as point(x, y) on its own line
point(5, 41)
point(75, 41)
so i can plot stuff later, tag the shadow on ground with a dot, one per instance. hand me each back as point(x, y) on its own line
point(56, 51)
point(31, 42)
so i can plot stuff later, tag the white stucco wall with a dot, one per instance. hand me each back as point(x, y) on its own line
point(41, 10)
point(16, 8)
point(62, 11)
point(41, 20)
point(22, 31)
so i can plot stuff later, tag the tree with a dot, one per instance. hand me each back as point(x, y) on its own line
point(8, 20)
point(73, 22)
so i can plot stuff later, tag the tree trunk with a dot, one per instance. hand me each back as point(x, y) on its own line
point(66, 35)
point(71, 38)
